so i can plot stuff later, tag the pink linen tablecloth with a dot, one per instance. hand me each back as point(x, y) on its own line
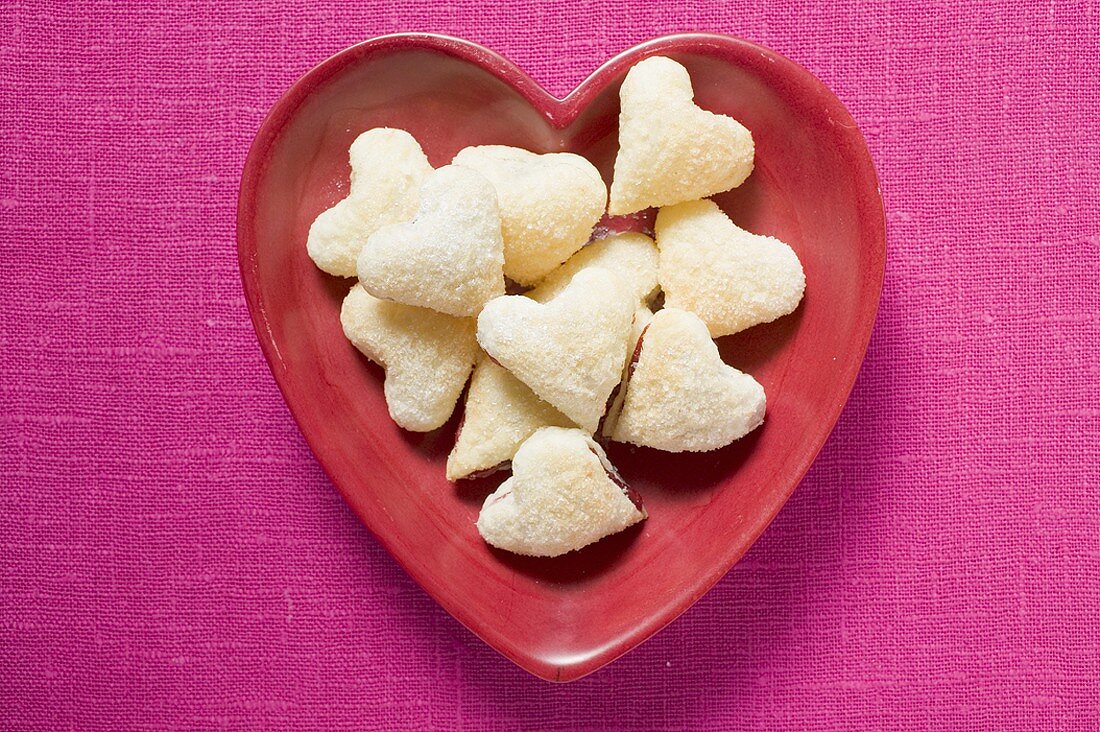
point(171, 556)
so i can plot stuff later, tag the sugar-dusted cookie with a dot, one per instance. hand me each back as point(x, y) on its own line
point(680, 395)
point(450, 257)
point(387, 169)
point(670, 150)
point(642, 316)
point(563, 495)
point(728, 277)
point(570, 351)
point(548, 204)
point(427, 355)
point(501, 412)
point(631, 256)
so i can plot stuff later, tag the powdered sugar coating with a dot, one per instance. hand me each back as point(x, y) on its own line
point(427, 355)
point(450, 258)
point(730, 278)
point(570, 351)
point(548, 204)
point(501, 412)
point(559, 498)
point(631, 256)
point(681, 396)
point(387, 170)
point(670, 150)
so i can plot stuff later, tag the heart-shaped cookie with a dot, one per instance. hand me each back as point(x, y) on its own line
point(630, 255)
point(670, 150)
point(427, 355)
point(387, 170)
point(730, 278)
point(548, 204)
point(450, 258)
point(570, 350)
point(501, 412)
point(563, 495)
point(680, 396)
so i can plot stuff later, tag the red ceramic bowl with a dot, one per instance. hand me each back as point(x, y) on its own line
point(814, 187)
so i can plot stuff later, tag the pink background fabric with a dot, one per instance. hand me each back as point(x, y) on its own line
point(172, 557)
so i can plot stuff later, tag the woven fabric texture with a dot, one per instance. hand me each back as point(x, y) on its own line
point(172, 557)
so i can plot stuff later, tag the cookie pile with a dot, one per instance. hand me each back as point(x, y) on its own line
point(582, 352)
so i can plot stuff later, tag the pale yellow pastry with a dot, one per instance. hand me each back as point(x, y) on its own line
point(563, 495)
point(730, 278)
point(670, 150)
point(427, 355)
point(450, 258)
point(570, 351)
point(642, 316)
point(680, 395)
point(630, 255)
point(501, 412)
point(387, 169)
point(549, 204)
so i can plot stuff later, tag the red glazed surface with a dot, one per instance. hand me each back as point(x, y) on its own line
point(814, 186)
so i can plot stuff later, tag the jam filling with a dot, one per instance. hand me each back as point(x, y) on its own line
point(640, 222)
point(636, 356)
point(618, 480)
point(625, 382)
point(490, 471)
point(607, 407)
point(511, 287)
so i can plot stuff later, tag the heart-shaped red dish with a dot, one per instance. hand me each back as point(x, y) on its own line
point(814, 186)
